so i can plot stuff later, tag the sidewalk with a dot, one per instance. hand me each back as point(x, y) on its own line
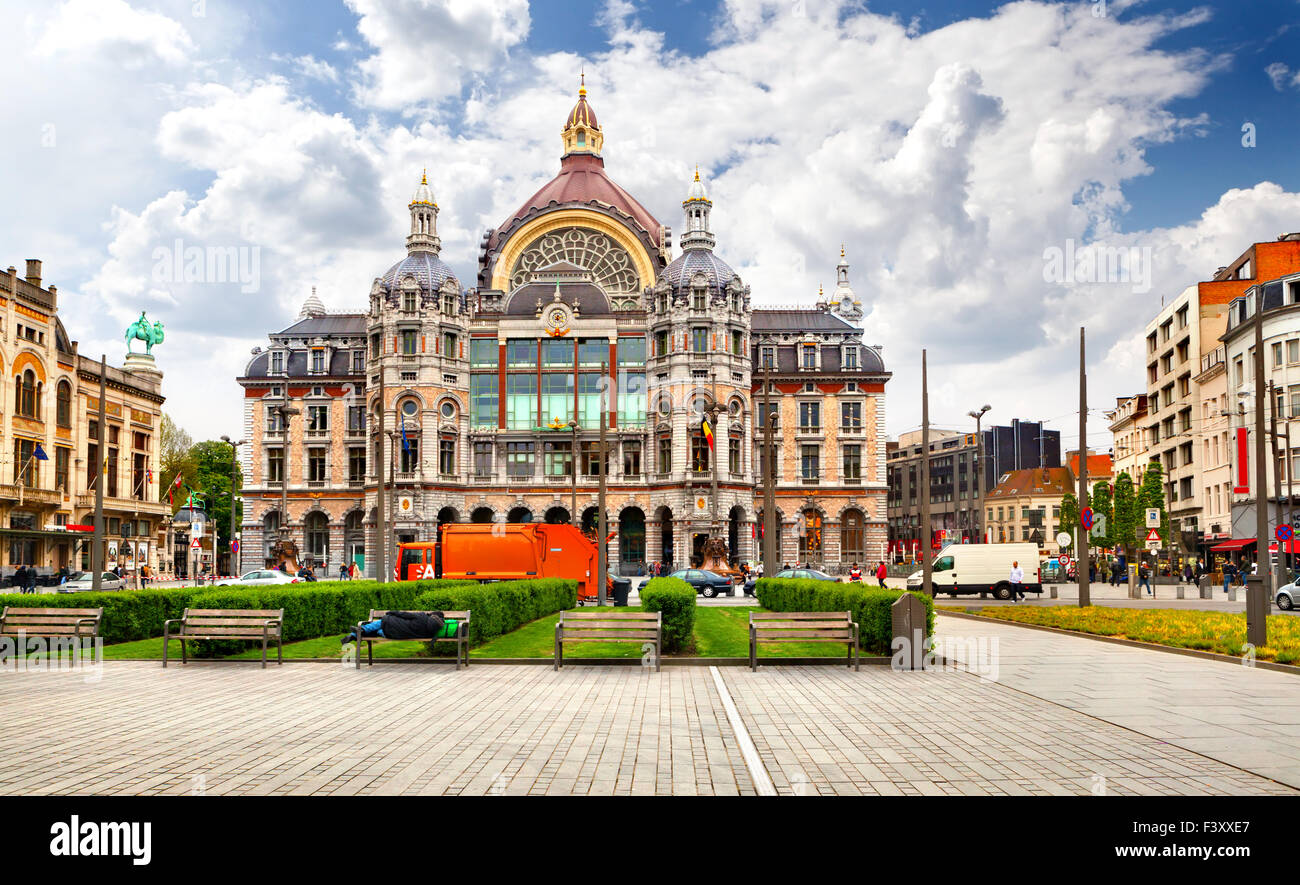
point(1243, 716)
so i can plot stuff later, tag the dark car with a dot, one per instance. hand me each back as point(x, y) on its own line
point(707, 583)
point(806, 573)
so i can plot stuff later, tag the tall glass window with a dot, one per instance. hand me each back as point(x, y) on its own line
point(409, 341)
point(521, 353)
point(519, 459)
point(483, 400)
point(559, 458)
point(557, 397)
point(631, 351)
point(592, 352)
point(557, 353)
point(699, 339)
point(631, 399)
point(483, 353)
point(521, 402)
point(589, 399)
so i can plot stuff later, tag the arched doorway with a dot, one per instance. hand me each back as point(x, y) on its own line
point(810, 537)
point(317, 549)
point(519, 514)
point(481, 515)
point(631, 541)
point(354, 541)
point(664, 517)
point(853, 537)
point(589, 520)
point(448, 515)
point(734, 518)
point(557, 516)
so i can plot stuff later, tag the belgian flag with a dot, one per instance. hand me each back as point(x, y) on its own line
point(708, 432)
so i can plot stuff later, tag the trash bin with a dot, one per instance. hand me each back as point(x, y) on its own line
point(622, 587)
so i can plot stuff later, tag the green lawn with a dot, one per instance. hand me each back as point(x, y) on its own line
point(720, 632)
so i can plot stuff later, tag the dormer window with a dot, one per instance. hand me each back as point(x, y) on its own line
point(850, 357)
point(408, 302)
point(768, 357)
point(697, 299)
point(449, 304)
point(809, 356)
point(277, 362)
point(318, 360)
point(582, 138)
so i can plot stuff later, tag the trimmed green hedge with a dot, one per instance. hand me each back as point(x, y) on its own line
point(498, 608)
point(676, 599)
point(870, 606)
point(128, 614)
point(320, 608)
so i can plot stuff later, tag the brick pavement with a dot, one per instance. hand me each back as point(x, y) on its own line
point(318, 729)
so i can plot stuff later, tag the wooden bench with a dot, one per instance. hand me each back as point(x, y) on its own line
point(227, 623)
point(51, 623)
point(601, 626)
point(461, 638)
point(803, 627)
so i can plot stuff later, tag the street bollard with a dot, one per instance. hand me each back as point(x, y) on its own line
point(1180, 591)
point(907, 615)
point(1206, 592)
point(1054, 593)
point(1232, 593)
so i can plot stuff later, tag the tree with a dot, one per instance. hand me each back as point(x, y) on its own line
point(213, 460)
point(1069, 513)
point(1152, 494)
point(1103, 506)
point(175, 456)
point(1124, 515)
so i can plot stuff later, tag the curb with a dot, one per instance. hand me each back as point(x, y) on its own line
point(1132, 643)
point(617, 662)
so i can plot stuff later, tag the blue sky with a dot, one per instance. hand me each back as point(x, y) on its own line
point(947, 144)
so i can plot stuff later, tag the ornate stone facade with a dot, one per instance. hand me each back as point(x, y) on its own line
point(493, 396)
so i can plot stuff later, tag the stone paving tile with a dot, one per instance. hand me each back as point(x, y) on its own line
point(902, 726)
point(1236, 714)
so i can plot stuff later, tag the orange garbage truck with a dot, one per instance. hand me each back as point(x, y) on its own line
point(504, 552)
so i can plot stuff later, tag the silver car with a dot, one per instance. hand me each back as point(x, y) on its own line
point(1286, 596)
point(83, 581)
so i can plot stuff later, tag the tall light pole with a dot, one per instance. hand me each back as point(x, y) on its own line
point(978, 473)
point(927, 582)
point(602, 527)
point(286, 412)
point(573, 474)
point(771, 548)
point(1081, 555)
point(97, 551)
point(234, 476)
point(1256, 601)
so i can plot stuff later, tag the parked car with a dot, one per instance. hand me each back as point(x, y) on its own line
point(83, 581)
point(1286, 596)
point(259, 577)
point(808, 574)
point(706, 583)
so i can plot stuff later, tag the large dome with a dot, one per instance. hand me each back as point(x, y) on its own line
point(685, 266)
point(429, 270)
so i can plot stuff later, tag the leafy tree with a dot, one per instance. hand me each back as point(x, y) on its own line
point(1103, 506)
point(176, 457)
point(1152, 494)
point(1069, 513)
point(1125, 514)
point(213, 460)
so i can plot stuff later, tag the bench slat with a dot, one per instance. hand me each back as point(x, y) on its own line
point(613, 625)
point(386, 639)
point(224, 633)
point(799, 625)
point(789, 633)
point(49, 630)
point(824, 616)
point(234, 613)
point(629, 635)
point(457, 616)
point(653, 617)
point(841, 639)
point(14, 612)
point(224, 622)
point(46, 619)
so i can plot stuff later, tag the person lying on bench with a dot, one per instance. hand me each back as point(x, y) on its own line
point(406, 625)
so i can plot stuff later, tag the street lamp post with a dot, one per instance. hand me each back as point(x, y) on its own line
point(978, 473)
point(234, 475)
point(771, 551)
point(286, 412)
point(573, 474)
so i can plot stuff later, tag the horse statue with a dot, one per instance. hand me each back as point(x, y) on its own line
point(143, 331)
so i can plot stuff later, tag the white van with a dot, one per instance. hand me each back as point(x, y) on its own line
point(981, 568)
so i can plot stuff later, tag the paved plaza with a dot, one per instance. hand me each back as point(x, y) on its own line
point(1086, 717)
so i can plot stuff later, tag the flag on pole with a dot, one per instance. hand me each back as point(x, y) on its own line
point(708, 432)
point(176, 484)
point(406, 443)
point(40, 454)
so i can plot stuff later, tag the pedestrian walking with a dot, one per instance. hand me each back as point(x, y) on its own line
point(881, 571)
point(29, 580)
point(1227, 575)
point(1092, 571)
point(1017, 579)
point(353, 571)
point(20, 578)
point(1144, 578)
point(343, 571)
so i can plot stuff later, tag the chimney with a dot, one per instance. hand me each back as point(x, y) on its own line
point(34, 272)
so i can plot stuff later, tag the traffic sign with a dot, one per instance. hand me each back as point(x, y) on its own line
point(1153, 545)
point(1153, 536)
point(1063, 539)
point(1285, 533)
point(1153, 517)
point(1085, 518)
point(234, 546)
point(1065, 560)
point(194, 543)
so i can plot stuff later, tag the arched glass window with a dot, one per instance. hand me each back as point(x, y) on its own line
point(63, 411)
point(853, 546)
point(318, 537)
point(25, 394)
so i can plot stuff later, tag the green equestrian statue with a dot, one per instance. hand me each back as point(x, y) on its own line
point(149, 334)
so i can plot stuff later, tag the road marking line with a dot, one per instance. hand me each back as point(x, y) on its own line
point(757, 773)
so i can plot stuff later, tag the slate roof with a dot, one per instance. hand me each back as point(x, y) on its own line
point(693, 261)
point(430, 271)
point(798, 321)
point(346, 324)
point(1053, 481)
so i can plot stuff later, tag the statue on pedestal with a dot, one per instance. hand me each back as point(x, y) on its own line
point(141, 330)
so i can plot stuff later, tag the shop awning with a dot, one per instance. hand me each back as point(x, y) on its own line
point(1234, 544)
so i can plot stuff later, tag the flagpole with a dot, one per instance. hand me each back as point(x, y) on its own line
point(97, 551)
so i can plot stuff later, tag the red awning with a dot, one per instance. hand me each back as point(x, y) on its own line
point(1292, 546)
point(1235, 544)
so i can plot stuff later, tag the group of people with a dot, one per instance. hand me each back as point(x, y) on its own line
point(880, 571)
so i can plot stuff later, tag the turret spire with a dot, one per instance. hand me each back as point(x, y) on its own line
point(696, 207)
point(582, 133)
point(424, 220)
